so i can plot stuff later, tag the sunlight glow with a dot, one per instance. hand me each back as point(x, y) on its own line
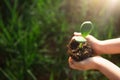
point(112, 3)
point(111, 9)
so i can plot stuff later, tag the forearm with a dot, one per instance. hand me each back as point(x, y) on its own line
point(111, 46)
point(108, 69)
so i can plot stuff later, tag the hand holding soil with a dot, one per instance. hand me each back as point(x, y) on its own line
point(81, 48)
point(78, 47)
point(79, 53)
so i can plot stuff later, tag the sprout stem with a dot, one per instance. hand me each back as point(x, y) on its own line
point(80, 45)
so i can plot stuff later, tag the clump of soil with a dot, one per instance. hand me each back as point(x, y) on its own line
point(77, 53)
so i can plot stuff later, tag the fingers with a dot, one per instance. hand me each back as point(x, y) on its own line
point(71, 63)
point(77, 34)
point(74, 65)
point(87, 37)
point(91, 38)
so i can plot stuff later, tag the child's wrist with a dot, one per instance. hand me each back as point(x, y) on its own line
point(98, 61)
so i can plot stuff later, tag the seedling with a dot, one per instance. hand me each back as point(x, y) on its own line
point(78, 48)
point(85, 29)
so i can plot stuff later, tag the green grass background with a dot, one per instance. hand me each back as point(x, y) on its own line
point(34, 35)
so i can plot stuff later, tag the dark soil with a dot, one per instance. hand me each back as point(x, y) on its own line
point(79, 54)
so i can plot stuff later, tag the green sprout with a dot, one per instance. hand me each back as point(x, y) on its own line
point(85, 29)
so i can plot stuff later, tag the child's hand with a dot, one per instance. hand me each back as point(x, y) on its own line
point(90, 63)
point(96, 44)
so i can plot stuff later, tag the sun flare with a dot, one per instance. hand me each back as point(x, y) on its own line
point(112, 3)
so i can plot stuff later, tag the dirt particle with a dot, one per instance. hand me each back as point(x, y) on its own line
point(79, 54)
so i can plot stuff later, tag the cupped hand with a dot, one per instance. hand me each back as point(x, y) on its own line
point(90, 63)
point(95, 43)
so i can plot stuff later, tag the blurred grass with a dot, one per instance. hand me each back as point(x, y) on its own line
point(28, 30)
point(33, 38)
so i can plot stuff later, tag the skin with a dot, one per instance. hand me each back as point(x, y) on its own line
point(111, 46)
point(110, 70)
point(106, 67)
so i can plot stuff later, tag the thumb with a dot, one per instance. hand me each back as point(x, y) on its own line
point(90, 38)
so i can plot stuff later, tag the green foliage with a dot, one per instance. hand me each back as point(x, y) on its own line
point(86, 28)
point(31, 35)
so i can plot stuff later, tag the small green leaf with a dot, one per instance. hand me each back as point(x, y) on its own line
point(80, 39)
point(86, 28)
